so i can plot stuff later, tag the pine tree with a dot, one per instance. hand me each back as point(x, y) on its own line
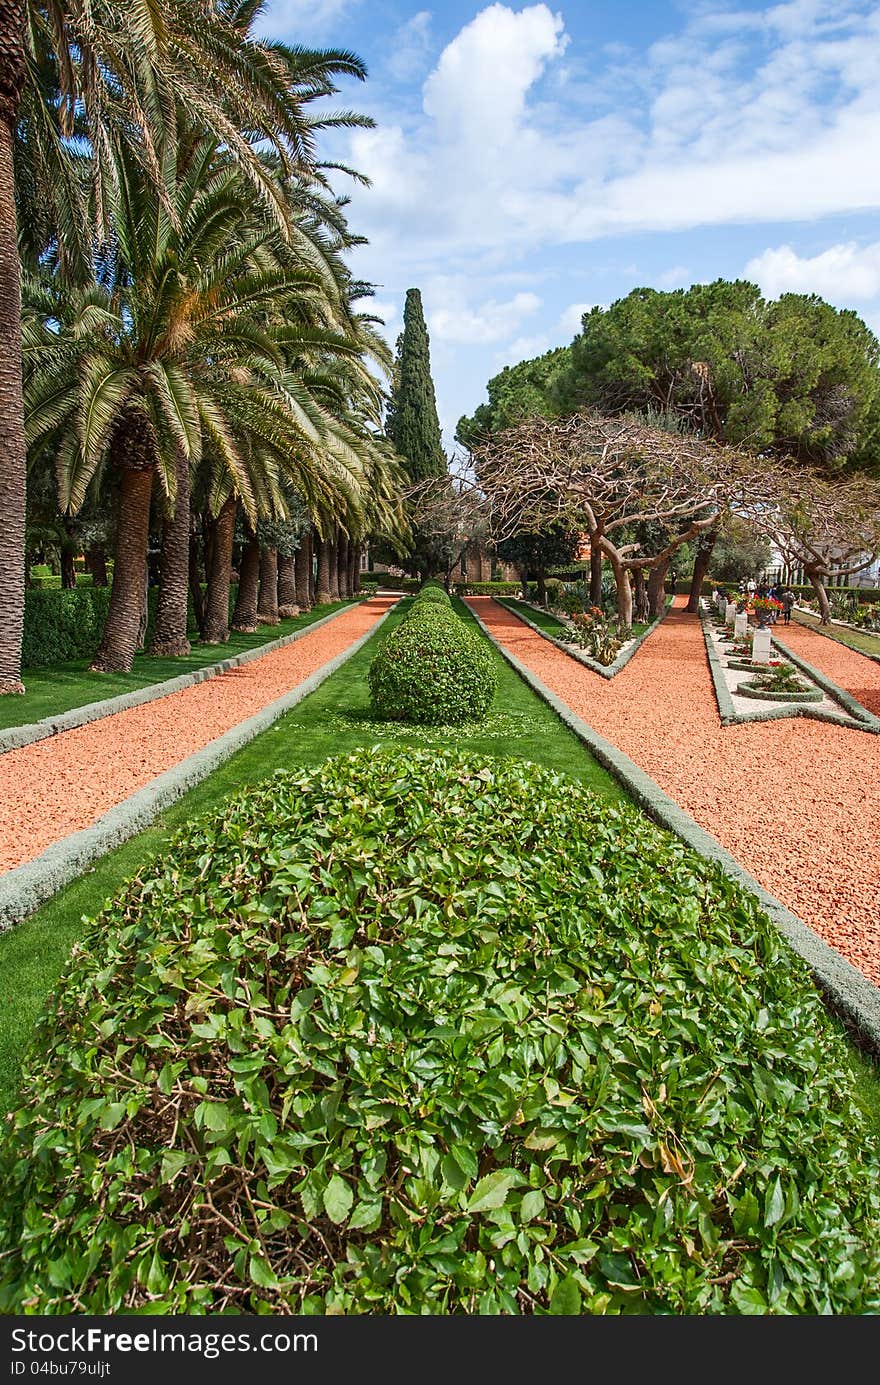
point(412, 423)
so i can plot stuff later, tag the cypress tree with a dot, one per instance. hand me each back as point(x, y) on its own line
point(412, 423)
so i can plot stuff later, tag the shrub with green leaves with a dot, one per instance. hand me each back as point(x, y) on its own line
point(432, 670)
point(424, 1032)
point(433, 594)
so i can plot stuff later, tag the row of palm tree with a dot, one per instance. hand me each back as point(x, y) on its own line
point(188, 337)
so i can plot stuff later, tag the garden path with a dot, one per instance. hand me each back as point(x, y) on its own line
point(797, 802)
point(849, 669)
point(58, 786)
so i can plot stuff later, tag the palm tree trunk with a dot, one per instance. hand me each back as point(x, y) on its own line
point(288, 607)
point(302, 569)
point(68, 568)
point(342, 564)
point(244, 617)
point(322, 581)
point(96, 564)
point(216, 629)
point(195, 576)
point(332, 566)
point(267, 606)
point(170, 637)
point(354, 569)
point(119, 642)
point(311, 571)
point(12, 444)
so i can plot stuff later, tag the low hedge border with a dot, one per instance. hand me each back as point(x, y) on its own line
point(14, 737)
point(603, 670)
point(826, 635)
point(748, 689)
point(22, 890)
point(860, 719)
point(847, 991)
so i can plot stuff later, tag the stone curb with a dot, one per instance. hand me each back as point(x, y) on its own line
point(22, 890)
point(15, 737)
point(603, 670)
point(848, 992)
point(864, 721)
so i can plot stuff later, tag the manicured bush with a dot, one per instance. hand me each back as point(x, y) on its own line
point(434, 1033)
point(433, 594)
point(432, 670)
point(487, 588)
point(60, 626)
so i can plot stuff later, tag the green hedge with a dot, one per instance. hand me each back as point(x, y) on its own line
point(391, 583)
point(62, 625)
point(419, 1032)
point(487, 588)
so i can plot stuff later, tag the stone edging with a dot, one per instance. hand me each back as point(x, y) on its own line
point(603, 670)
point(849, 993)
point(26, 887)
point(15, 737)
point(857, 717)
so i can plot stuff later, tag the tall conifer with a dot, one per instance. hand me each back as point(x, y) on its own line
point(412, 423)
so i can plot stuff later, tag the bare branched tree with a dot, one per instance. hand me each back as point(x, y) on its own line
point(603, 476)
point(830, 527)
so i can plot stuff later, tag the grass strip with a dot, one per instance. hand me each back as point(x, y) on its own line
point(51, 691)
point(333, 720)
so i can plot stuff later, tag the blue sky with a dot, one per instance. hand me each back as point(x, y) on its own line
point(531, 160)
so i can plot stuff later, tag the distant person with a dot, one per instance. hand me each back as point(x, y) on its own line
point(788, 599)
point(750, 586)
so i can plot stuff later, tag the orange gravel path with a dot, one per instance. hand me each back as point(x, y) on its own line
point(62, 784)
point(797, 802)
point(848, 668)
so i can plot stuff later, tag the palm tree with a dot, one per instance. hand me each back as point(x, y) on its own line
point(121, 76)
point(180, 353)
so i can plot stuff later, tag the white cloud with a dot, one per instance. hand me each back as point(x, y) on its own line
point(491, 321)
point(775, 128)
point(840, 273)
point(569, 324)
point(480, 84)
point(291, 19)
point(673, 278)
point(409, 47)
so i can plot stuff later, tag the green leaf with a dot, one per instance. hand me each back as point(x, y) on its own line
point(565, 1301)
point(774, 1204)
point(531, 1206)
point(338, 1199)
point(260, 1272)
point(452, 1174)
point(172, 1162)
point(112, 1114)
point(491, 1191)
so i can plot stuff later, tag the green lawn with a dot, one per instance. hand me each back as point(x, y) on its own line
point(861, 640)
point(51, 691)
point(332, 720)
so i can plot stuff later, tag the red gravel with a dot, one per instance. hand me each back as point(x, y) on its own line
point(849, 669)
point(797, 802)
point(62, 784)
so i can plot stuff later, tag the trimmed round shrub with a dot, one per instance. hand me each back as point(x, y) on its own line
point(433, 594)
point(432, 670)
point(425, 1032)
